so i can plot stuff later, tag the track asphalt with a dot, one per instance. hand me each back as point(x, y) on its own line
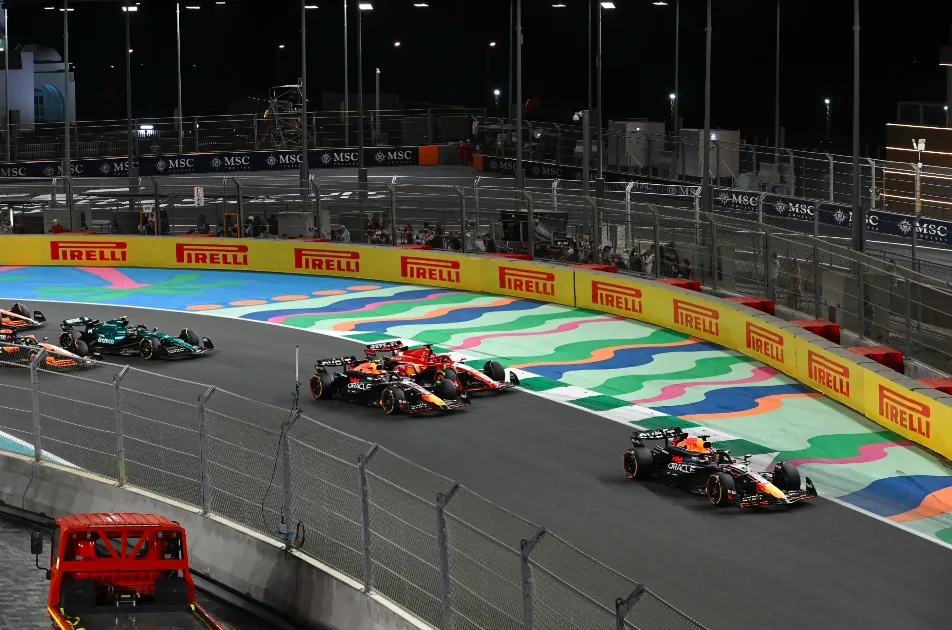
point(822, 566)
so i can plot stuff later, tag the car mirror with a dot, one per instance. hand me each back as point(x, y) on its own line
point(36, 543)
point(155, 329)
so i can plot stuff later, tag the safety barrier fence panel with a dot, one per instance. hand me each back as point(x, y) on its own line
point(440, 551)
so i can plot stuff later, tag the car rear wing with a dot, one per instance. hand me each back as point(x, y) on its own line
point(76, 321)
point(383, 347)
point(638, 437)
point(323, 364)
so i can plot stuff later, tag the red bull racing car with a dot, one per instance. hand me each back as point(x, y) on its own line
point(19, 317)
point(427, 367)
point(370, 383)
point(693, 464)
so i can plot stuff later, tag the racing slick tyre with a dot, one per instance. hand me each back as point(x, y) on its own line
point(68, 339)
point(322, 386)
point(448, 374)
point(494, 370)
point(786, 476)
point(638, 463)
point(20, 309)
point(81, 348)
point(446, 389)
point(390, 400)
point(720, 489)
point(149, 348)
point(190, 337)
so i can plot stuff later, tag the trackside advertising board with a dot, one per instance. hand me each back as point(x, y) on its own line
point(911, 413)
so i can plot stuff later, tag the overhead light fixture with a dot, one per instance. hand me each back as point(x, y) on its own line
point(280, 45)
point(127, 9)
point(130, 51)
point(672, 96)
point(310, 6)
point(497, 92)
point(220, 2)
point(365, 6)
point(61, 10)
point(49, 8)
point(660, 3)
point(827, 101)
point(396, 44)
point(608, 5)
point(492, 44)
point(146, 127)
point(192, 8)
point(558, 6)
point(420, 5)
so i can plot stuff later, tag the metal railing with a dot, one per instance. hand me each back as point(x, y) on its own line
point(247, 132)
point(811, 174)
point(873, 296)
point(437, 549)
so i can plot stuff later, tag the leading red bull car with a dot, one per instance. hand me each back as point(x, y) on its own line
point(693, 464)
point(429, 367)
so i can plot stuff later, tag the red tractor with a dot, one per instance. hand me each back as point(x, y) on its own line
point(120, 570)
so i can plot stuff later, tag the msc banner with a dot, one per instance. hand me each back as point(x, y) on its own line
point(894, 403)
point(218, 162)
point(749, 201)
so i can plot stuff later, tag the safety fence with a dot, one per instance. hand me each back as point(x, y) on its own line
point(651, 229)
point(437, 549)
point(276, 129)
point(646, 149)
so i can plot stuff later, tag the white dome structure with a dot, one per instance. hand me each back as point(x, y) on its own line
point(43, 54)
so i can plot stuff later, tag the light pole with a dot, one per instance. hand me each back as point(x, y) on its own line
point(677, 69)
point(127, 9)
point(829, 118)
point(361, 169)
point(600, 184)
point(509, 93)
point(519, 95)
point(6, 76)
point(859, 215)
point(304, 172)
point(67, 166)
point(178, 48)
point(377, 112)
point(346, 85)
point(777, 94)
point(706, 182)
point(919, 147)
point(488, 67)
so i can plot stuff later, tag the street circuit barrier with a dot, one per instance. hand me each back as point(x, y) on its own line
point(913, 410)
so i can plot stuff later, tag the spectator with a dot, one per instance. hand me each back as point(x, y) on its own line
point(114, 228)
point(202, 226)
point(5, 227)
point(344, 234)
point(636, 262)
point(607, 257)
point(57, 228)
point(684, 270)
point(774, 276)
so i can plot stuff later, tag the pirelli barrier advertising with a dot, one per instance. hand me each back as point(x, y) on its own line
point(890, 399)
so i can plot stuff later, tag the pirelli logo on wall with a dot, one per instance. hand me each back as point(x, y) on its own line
point(696, 317)
point(905, 412)
point(764, 342)
point(827, 373)
point(88, 251)
point(211, 254)
point(327, 260)
point(530, 282)
point(616, 296)
point(430, 269)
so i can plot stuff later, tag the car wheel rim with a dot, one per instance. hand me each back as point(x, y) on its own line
point(631, 465)
point(317, 388)
point(388, 402)
point(714, 490)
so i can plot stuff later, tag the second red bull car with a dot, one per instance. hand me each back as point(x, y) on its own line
point(369, 383)
point(428, 367)
point(693, 464)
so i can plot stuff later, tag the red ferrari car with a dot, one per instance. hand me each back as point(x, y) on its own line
point(431, 367)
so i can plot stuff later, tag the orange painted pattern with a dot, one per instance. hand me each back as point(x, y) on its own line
point(934, 504)
point(764, 405)
point(345, 326)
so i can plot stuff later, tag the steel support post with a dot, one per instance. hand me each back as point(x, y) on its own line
point(629, 240)
point(715, 263)
point(595, 239)
point(35, 395)
point(525, 548)
point(530, 221)
point(768, 272)
point(363, 488)
point(915, 215)
point(287, 511)
point(462, 220)
point(624, 606)
point(120, 441)
point(817, 282)
point(908, 346)
point(830, 159)
point(586, 154)
point(476, 209)
point(321, 228)
point(656, 236)
point(446, 600)
point(205, 450)
point(861, 296)
point(68, 188)
point(555, 195)
point(393, 213)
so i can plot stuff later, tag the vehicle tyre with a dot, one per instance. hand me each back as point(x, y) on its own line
point(390, 400)
point(21, 309)
point(786, 476)
point(720, 489)
point(68, 339)
point(190, 337)
point(149, 348)
point(448, 374)
point(81, 348)
point(322, 386)
point(446, 389)
point(639, 463)
point(513, 379)
point(495, 371)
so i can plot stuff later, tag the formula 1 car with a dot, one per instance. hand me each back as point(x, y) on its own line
point(430, 367)
point(693, 464)
point(23, 348)
point(19, 317)
point(116, 336)
point(369, 383)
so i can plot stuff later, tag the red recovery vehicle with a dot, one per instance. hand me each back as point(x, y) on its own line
point(120, 571)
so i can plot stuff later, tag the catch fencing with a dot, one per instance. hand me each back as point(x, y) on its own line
point(437, 549)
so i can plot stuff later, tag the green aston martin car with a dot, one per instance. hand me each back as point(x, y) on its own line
point(85, 335)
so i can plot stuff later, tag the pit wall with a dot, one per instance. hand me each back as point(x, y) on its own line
point(912, 410)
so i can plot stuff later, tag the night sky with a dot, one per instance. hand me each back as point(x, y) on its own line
point(232, 50)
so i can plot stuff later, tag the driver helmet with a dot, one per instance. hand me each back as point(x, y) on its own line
point(695, 445)
point(372, 367)
point(407, 369)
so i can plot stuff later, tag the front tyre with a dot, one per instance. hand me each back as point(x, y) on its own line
point(446, 389)
point(638, 463)
point(149, 348)
point(720, 489)
point(495, 371)
point(786, 476)
point(190, 337)
point(391, 400)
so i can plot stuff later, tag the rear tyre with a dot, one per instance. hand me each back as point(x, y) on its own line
point(720, 488)
point(390, 400)
point(638, 463)
point(149, 348)
point(190, 337)
point(786, 476)
point(81, 348)
point(495, 371)
point(68, 339)
point(21, 309)
point(322, 386)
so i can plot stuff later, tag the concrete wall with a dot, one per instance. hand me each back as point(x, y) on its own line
point(309, 593)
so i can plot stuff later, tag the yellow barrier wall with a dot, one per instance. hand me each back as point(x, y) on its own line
point(915, 412)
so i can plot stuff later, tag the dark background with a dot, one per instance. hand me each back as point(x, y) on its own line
point(232, 50)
